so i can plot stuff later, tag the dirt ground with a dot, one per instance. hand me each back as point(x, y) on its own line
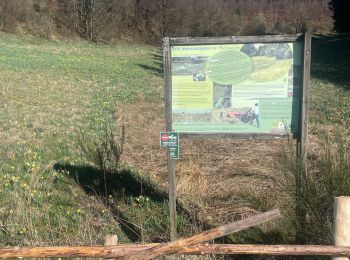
point(213, 176)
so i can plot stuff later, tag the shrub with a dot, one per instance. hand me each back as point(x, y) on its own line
point(326, 176)
point(103, 150)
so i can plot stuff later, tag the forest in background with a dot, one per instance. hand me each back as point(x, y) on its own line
point(150, 21)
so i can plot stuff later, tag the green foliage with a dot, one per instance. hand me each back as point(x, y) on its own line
point(49, 91)
point(103, 150)
point(151, 218)
point(256, 26)
point(327, 176)
point(39, 206)
point(329, 85)
point(311, 189)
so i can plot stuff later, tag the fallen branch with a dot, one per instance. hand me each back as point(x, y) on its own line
point(183, 243)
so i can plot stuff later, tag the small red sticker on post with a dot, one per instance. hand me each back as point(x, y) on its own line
point(165, 137)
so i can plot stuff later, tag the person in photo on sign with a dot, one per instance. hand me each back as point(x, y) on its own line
point(227, 97)
point(255, 114)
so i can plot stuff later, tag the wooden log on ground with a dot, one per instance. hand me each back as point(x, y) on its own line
point(183, 243)
point(201, 249)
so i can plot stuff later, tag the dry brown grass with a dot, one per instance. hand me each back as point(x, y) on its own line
point(219, 181)
point(212, 175)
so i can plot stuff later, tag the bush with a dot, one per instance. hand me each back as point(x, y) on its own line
point(103, 150)
point(256, 26)
point(314, 187)
point(326, 176)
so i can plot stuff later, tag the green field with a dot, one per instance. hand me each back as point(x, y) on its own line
point(330, 89)
point(52, 90)
point(49, 92)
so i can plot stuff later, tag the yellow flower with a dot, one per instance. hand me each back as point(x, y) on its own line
point(15, 178)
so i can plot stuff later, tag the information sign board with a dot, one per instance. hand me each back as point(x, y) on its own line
point(249, 87)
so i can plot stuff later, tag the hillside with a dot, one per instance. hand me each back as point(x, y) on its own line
point(52, 92)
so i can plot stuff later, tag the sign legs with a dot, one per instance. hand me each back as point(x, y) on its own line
point(172, 197)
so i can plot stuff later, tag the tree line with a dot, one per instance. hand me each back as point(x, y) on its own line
point(150, 20)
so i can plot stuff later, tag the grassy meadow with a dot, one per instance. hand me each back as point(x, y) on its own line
point(52, 91)
point(330, 81)
point(49, 93)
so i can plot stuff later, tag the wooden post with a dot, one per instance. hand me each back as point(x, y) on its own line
point(172, 198)
point(304, 104)
point(342, 223)
point(168, 116)
point(302, 138)
point(111, 240)
point(182, 243)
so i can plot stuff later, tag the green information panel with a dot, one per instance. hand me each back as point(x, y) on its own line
point(170, 140)
point(236, 88)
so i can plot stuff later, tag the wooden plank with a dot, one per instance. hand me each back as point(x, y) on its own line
point(240, 136)
point(292, 250)
point(177, 245)
point(201, 249)
point(168, 116)
point(235, 39)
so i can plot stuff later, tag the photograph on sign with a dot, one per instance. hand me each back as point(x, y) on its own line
point(236, 88)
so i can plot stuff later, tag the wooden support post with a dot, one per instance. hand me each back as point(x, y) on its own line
point(172, 198)
point(304, 102)
point(183, 243)
point(111, 240)
point(342, 223)
point(302, 139)
point(168, 116)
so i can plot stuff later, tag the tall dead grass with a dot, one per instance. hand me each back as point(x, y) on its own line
point(211, 174)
